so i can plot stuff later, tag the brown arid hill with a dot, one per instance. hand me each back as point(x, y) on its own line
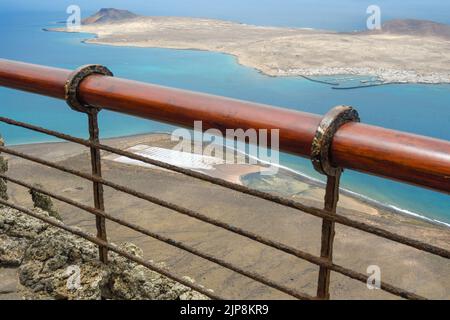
point(108, 15)
point(414, 27)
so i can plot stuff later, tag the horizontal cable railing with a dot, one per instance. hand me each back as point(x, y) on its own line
point(96, 240)
point(177, 244)
point(412, 159)
point(236, 187)
point(276, 245)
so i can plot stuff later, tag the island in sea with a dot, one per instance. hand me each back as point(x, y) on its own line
point(403, 51)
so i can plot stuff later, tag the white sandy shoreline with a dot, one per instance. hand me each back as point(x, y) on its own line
point(362, 198)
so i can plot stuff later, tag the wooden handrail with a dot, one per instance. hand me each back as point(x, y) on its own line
point(391, 154)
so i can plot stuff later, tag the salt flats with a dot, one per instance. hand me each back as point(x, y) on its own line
point(173, 157)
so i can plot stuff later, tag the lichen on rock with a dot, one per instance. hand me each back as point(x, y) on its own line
point(55, 264)
point(16, 232)
point(48, 266)
point(43, 202)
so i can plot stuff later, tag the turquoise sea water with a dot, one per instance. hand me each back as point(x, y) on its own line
point(421, 109)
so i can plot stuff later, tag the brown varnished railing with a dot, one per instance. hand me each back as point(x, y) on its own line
point(405, 157)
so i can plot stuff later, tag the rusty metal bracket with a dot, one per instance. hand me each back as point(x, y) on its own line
point(321, 159)
point(71, 94)
point(321, 144)
point(96, 165)
point(73, 83)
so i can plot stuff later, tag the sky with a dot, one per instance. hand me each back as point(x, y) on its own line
point(298, 13)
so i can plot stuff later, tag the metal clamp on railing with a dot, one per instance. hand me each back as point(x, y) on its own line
point(321, 144)
point(71, 88)
point(73, 82)
point(321, 160)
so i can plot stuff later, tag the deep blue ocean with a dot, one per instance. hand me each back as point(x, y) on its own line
point(421, 109)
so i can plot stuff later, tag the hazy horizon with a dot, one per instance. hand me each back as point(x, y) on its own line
point(340, 15)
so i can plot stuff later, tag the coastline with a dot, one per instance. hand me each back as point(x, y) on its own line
point(97, 40)
point(377, 205)
point(385, 77)
point(276, 51)
point(242, 174)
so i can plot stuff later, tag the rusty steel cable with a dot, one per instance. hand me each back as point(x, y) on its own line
point(420, 245)
point(248, 234)
point(252, 275)
point(150, 265)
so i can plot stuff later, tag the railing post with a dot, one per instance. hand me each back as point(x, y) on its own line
point(326, 250)
point(321, 159)
point(71, 94)
point(97, 187)
point(3, 170)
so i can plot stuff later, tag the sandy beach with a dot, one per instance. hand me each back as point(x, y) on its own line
point(391, 58)
point(403, 266)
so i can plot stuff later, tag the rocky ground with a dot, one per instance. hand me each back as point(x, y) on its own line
point(38, 261)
